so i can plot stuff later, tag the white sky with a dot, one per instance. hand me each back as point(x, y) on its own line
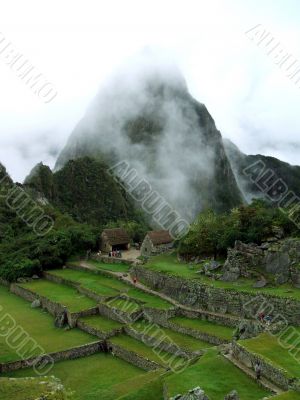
point(76, 45)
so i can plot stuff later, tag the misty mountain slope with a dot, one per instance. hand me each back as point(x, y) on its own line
point(146, 117)
point(290, 174)
point(84, 189)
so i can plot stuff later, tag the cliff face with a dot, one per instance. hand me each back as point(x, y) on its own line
point(146, 117)
point(272, 169)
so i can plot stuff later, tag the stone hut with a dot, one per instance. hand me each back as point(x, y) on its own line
point(114, 239)
point(156, 242)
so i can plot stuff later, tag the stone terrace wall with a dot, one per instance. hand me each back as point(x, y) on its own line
point(76, 352)
point(159, 341)
point(87, 292)
point(110, 260)
point(133, 358)
point(198, 295)
point(97, 332)
point(52, 307)
point(269, 371)
point(196, 334)
point(118, 315)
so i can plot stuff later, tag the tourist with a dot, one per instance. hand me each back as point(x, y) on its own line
point(257, 369)
point(261, 316)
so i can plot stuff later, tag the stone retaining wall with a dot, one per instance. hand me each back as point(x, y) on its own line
point(97, 332)
point(52, 307)
point(110, 260)
point(269, 371)
point(199, 295)
point(195, 333)
point(118, 315)
point(159, 341)
point(87, 292)
point(134, 358)
point(69, 354)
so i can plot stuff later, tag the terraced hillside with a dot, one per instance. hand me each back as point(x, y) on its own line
point(131, 343)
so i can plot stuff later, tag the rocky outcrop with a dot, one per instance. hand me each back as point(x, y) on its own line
point(276, 259)
point(194, 394)
point(232, 396)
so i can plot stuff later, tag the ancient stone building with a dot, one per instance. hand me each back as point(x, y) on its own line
point(114, 239)
point(156, 242)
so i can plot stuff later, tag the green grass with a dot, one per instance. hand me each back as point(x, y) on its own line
point(223, 332)
point(149, 391)
point(27, 389)
point(160, 357)
point(183, 341)
point(107, 286)
point(125, 306)
point(217, 377)
point(39, 325)
point(101, 323)
point(87, 280)
point(110, 267)
point(95, 377)
point(168, 263)
point(270, 348)
point(62, 294)
point(290, 395)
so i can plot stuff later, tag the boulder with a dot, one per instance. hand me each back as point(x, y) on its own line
point(194, 394)
point(260, 284)
point(232, 396)
point(36, 303)
point(35, 277)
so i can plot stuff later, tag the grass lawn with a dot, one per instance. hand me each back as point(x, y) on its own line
point(39, 325)
point(181, 340)
point(223, 332)
point(160, 357)
point(61, 294)
point(270, 348)
point(290, 395)
point(217, 377)
point(168, 263)
point(87, 280)
point(25, 389)
point(107, 286)
point(110, 267)
point(148, 391)
point(95, 377)
point(101, 323)
point(125, 306)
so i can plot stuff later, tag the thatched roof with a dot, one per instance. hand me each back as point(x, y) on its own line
point(116, 236)
point(160, 237)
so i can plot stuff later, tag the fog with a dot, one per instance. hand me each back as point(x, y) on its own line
point(77, 45)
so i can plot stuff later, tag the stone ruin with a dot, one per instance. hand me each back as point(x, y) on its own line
point(275, 261)
point(199, 394)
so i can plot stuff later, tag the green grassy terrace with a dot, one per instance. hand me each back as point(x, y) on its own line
point(223, 332)
point(99, 376)
point(124, 305)
point(101, 323)
point(277, 351)
point(62, 294)
point(109, 286)
point(160, 357)
point(183, 341)
point(39, 326)
point(109, 267)
point(29, 389)
point(217, 377)
point(168, 263)
point(290, 395)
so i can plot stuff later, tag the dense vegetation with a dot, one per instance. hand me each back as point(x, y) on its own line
point(23, 251)
point(212, 233)
point(84, 189)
